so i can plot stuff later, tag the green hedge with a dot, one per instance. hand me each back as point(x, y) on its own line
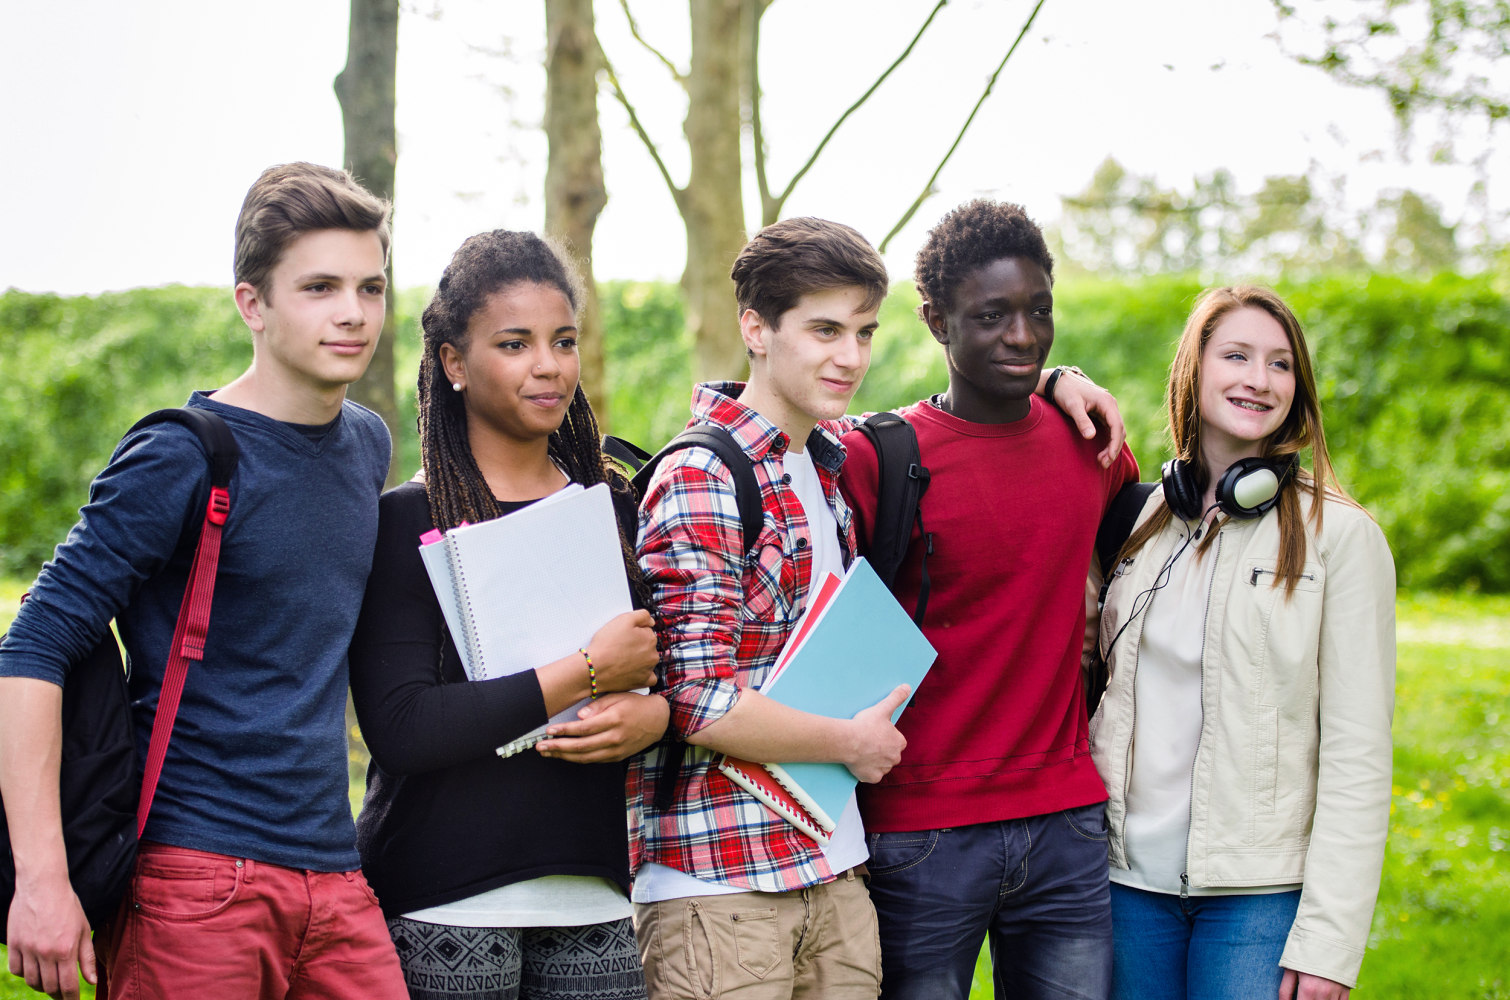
point(1413, 375)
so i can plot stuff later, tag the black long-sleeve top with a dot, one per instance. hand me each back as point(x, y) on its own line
point(444, 817)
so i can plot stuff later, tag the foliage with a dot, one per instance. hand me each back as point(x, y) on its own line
point(1423, 55)
point(78, 372)
point(1412, 372)
point(1124, 223)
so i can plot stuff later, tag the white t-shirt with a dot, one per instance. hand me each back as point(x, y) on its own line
point(550, 901)
point(1167, 732)
point(846, 846)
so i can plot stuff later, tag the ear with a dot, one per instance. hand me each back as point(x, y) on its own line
point(753, 331)
point(934, 320)
point(250, 303)
point(452, 363)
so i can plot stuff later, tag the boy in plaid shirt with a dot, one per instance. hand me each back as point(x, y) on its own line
point(729, 897)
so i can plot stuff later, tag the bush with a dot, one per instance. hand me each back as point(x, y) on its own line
point(1412, 374)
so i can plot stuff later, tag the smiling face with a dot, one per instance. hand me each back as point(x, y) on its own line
point(520, 366)
point(996, 336)
point(318, 315)
point(1247, 385)
point(809, 366)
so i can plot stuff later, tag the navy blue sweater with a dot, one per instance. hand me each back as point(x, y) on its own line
point(257, 766)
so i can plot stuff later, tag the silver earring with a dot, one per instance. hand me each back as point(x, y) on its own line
point(456, 386)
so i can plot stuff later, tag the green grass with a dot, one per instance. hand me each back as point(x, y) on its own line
point(1442, 929)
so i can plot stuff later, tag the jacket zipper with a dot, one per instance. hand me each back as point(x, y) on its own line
point(1201, 733)
point(1258, 570)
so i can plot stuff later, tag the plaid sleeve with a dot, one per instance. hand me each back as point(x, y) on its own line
point(691, 552)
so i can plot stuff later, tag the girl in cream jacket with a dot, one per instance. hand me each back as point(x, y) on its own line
point(1244, 737)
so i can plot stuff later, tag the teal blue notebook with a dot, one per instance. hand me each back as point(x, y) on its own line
point(863, 646)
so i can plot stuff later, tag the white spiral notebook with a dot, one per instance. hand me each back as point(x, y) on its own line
point(530, 587)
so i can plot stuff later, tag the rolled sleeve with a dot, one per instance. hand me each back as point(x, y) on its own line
point(691, 553)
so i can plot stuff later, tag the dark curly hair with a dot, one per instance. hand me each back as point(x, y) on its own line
point(972, 236)
point(485, 264)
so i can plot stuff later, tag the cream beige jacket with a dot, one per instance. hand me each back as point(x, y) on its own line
point(1291, 781)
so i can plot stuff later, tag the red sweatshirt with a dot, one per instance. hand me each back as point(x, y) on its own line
point(997, 730)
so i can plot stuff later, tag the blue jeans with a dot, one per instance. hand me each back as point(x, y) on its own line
point(1199, 947)
point(1035, 888)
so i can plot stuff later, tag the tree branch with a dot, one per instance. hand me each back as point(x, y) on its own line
point(634, 29)
point(639, 128)
point(753, 10)
point(772, 208)
point(928, 189)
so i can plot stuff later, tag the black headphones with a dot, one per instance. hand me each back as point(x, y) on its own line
point(1249, 488)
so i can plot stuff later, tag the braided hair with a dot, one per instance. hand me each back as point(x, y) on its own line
point(483, 265)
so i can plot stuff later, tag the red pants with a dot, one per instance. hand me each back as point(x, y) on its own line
point(196, 924)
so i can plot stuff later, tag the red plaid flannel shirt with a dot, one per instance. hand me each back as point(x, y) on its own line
point(723, 621)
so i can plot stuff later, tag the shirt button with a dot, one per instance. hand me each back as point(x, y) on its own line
point(802, 543)
point(786, 479)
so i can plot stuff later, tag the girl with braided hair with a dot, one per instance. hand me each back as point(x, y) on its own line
point(500, 877)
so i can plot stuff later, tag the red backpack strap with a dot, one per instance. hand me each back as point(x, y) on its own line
point(194, 613)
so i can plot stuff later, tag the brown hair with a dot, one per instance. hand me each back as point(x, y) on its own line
point(1301, 428)
point(292, 199)
point(788, 259)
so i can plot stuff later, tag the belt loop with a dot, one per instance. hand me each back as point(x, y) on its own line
point(849, 875)
point(248, 870)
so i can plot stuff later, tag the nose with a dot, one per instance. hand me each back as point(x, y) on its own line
point(1258, 376)
point(1015, 330)
point(850, 354)
point(545, 363)
point(351, 314)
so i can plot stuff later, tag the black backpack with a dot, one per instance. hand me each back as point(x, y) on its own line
point(100, 795)
point(899, 492)
point(1116, 527)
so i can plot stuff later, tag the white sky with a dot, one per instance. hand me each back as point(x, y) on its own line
point(132, 128)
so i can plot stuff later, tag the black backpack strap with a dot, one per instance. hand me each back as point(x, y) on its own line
point(1117, 525)
point(626, 453)
point(901, 481)
point(719, 441)
point(215, 437)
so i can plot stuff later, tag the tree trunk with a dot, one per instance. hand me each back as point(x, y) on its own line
point(366, 90)
point(712, 204)
point(574, 190)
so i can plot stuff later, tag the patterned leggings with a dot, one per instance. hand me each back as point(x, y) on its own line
point(592, 962)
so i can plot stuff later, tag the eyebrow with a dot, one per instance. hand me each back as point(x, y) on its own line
point(525, 331)
point(1245, 345)
point(818, 321)
point(336, 278)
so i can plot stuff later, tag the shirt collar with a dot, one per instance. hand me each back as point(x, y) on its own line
point(718, 403)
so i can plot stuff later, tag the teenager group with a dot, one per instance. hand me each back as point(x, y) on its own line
point(1216, 829)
